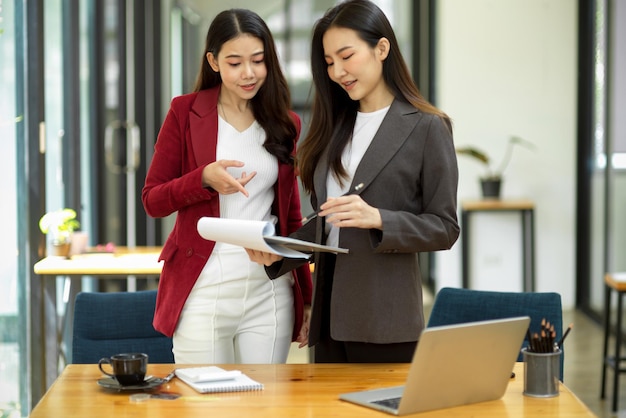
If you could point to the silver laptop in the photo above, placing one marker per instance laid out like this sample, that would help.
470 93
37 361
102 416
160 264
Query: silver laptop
453 365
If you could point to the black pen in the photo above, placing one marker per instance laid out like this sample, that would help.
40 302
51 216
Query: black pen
560 343
314 214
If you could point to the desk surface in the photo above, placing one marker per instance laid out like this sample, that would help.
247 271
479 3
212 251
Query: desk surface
616 280
123 262
291 390
497 204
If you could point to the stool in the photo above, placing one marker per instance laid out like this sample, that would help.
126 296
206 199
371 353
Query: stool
613 282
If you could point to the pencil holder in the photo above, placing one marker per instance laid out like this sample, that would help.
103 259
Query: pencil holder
541 373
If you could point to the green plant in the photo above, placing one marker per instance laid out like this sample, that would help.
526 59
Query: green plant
482 157
60 223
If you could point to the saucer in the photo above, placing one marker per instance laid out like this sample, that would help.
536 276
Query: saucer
112 384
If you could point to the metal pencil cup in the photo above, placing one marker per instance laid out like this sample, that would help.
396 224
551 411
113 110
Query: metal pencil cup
541 373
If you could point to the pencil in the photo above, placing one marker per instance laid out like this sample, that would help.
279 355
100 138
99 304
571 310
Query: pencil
314 214
560 343
544 342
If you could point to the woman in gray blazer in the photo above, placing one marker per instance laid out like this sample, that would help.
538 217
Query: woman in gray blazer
379 162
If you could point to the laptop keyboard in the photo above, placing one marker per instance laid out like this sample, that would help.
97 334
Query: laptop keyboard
392 403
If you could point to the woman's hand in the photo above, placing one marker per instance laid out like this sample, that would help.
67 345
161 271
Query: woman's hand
303 336
216 176
351 211
262 257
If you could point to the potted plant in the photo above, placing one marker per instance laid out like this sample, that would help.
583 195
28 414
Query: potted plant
59 226
491 181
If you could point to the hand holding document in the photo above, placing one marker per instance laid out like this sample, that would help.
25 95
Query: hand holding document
258 235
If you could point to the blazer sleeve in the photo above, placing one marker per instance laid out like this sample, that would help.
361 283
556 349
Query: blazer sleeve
435 227
174 181
290 208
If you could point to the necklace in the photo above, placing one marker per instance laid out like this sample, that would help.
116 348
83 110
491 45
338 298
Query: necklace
223 111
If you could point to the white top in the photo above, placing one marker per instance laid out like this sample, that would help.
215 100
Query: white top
247 146
365 128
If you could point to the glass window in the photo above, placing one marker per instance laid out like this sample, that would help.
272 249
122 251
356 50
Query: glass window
607 193
53 87
9 346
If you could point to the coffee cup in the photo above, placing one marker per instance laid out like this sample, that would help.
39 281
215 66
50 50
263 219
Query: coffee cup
127 368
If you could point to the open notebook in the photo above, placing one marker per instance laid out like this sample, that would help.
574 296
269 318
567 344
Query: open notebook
212 379
453 365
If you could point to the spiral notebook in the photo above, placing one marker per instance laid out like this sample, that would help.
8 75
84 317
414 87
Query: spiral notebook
212 379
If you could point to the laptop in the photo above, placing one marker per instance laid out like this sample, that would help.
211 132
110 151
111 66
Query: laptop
453 365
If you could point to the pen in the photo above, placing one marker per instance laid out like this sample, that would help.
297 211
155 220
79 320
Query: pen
560 343
314 214
169 376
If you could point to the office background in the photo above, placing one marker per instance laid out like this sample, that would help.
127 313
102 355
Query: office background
78 77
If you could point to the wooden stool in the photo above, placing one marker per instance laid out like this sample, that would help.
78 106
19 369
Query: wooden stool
613 282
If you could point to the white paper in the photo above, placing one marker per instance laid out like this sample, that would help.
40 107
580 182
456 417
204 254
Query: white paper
236 381
257 235
207 374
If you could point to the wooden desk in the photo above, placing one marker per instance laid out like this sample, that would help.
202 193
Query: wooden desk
124 262
527 214
291 390
141 261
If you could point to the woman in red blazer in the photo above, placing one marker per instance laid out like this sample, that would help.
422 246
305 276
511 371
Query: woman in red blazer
226 150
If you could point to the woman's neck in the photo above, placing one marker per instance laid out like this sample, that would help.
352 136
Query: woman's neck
376 100
233 104
237 112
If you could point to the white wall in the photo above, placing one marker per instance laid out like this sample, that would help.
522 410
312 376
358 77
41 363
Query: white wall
509 68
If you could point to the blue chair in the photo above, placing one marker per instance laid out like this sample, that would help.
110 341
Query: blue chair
117 322
454 306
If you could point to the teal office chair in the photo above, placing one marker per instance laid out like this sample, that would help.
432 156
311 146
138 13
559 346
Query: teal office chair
454 306
117 322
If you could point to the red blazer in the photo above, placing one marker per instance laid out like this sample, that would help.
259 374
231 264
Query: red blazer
186 144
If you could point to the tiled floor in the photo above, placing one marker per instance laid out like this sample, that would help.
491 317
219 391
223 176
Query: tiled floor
583 365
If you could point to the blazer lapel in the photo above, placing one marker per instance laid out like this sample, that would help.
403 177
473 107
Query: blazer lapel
203 126
319 179
394 130
319 184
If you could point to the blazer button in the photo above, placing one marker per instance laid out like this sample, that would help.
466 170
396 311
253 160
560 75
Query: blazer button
189 252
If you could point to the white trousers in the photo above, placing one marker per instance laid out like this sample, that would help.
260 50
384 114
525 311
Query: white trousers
235 313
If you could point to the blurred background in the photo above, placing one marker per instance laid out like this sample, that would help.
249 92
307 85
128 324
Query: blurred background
85 85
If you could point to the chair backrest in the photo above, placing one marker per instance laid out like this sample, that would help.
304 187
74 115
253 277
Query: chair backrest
453 306
117 322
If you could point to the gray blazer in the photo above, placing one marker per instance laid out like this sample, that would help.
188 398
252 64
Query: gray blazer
410 174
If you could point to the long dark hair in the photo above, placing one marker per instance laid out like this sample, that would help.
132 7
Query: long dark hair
333 111
271 104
